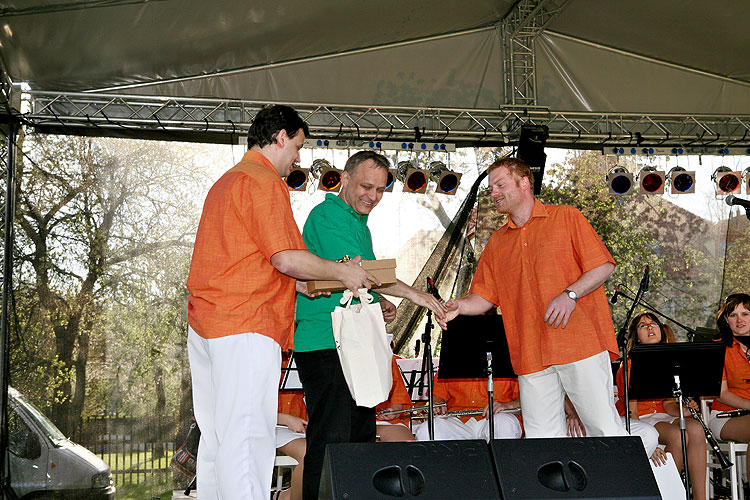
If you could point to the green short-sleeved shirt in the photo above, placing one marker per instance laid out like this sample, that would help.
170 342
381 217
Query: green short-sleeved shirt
333 229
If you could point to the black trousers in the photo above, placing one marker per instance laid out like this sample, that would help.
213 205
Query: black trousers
332 414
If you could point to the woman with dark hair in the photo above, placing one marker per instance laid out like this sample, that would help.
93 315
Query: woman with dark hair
662 414
733 320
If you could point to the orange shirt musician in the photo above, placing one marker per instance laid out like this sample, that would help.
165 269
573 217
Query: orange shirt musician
470 394
248 252
394 426
733 320
545 269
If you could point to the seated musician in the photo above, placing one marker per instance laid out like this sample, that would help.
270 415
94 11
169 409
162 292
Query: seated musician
465 395
290 434
646 328
394 426
733 320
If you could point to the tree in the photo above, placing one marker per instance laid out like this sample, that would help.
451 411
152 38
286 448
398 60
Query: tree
90 213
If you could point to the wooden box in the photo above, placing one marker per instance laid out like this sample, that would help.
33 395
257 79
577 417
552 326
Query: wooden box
384 270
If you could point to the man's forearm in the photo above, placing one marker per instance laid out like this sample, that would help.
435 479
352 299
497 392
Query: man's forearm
592 279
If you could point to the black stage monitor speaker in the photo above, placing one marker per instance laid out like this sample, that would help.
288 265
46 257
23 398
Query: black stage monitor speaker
592 468
531 150
429 470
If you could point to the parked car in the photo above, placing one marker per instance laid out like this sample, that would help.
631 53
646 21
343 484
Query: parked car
45 464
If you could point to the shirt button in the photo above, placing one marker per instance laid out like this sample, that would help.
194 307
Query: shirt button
525 244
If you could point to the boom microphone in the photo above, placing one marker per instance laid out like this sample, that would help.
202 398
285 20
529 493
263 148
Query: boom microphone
644 281
613 300
732 200
732 413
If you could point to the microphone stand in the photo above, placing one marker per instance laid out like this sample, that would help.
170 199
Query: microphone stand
428 368
691 332
622 342
490 397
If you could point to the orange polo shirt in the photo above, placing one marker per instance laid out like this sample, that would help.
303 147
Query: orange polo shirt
397 396
523 268
247 217
471 393
737 375
645 406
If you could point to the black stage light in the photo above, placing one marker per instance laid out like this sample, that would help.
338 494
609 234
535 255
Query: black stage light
447 180
297 179
330 177
414 179
391 180
681 181
620 181
727 181
651 181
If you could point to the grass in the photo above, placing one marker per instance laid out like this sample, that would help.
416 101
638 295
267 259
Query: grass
144 491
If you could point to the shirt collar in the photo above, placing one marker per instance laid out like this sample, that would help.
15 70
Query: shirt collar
342 204
539 210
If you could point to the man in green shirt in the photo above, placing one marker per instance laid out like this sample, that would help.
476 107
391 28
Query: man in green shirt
335 228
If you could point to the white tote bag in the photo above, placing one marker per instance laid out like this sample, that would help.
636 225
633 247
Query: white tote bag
364 352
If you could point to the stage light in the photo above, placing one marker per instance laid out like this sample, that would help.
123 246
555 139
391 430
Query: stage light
651 181
414 179
727 181
330 177
620 181
681 181
297 179
391 180
446 179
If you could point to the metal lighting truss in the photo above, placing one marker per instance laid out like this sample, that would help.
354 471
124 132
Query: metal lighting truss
521 26
190 118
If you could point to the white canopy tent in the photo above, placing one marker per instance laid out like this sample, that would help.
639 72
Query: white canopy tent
597 73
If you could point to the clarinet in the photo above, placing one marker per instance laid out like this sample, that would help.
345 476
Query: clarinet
723 460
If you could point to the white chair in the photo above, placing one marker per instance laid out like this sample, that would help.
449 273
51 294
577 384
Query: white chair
281 463
735 452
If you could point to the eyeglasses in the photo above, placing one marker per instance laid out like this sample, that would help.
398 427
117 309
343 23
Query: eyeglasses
648 325
742 297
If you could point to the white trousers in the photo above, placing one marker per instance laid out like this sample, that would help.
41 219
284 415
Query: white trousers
235 400
507 426
587 382
647 432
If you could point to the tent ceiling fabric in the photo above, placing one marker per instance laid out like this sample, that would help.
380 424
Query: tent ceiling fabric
683 57
130 42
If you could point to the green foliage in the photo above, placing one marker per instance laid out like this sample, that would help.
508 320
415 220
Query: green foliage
105 231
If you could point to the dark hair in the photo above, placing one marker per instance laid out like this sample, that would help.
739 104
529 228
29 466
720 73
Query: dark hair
515 166
354 160
730 304
667 335
272 119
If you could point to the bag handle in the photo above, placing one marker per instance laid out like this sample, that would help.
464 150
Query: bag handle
364 297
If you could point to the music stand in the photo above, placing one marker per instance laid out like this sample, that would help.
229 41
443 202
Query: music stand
675 370
476 347
290 376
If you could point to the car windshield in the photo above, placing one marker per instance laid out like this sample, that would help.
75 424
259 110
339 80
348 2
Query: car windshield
52 432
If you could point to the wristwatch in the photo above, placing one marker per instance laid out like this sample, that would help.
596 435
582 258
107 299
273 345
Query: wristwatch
571 294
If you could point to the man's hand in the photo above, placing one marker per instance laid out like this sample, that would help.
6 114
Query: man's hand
425 299
354 277
559 310
452 310
575 426
301 287
389 311
659 457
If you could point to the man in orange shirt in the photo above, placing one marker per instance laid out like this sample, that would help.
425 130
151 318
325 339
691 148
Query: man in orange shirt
248 252
545 269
